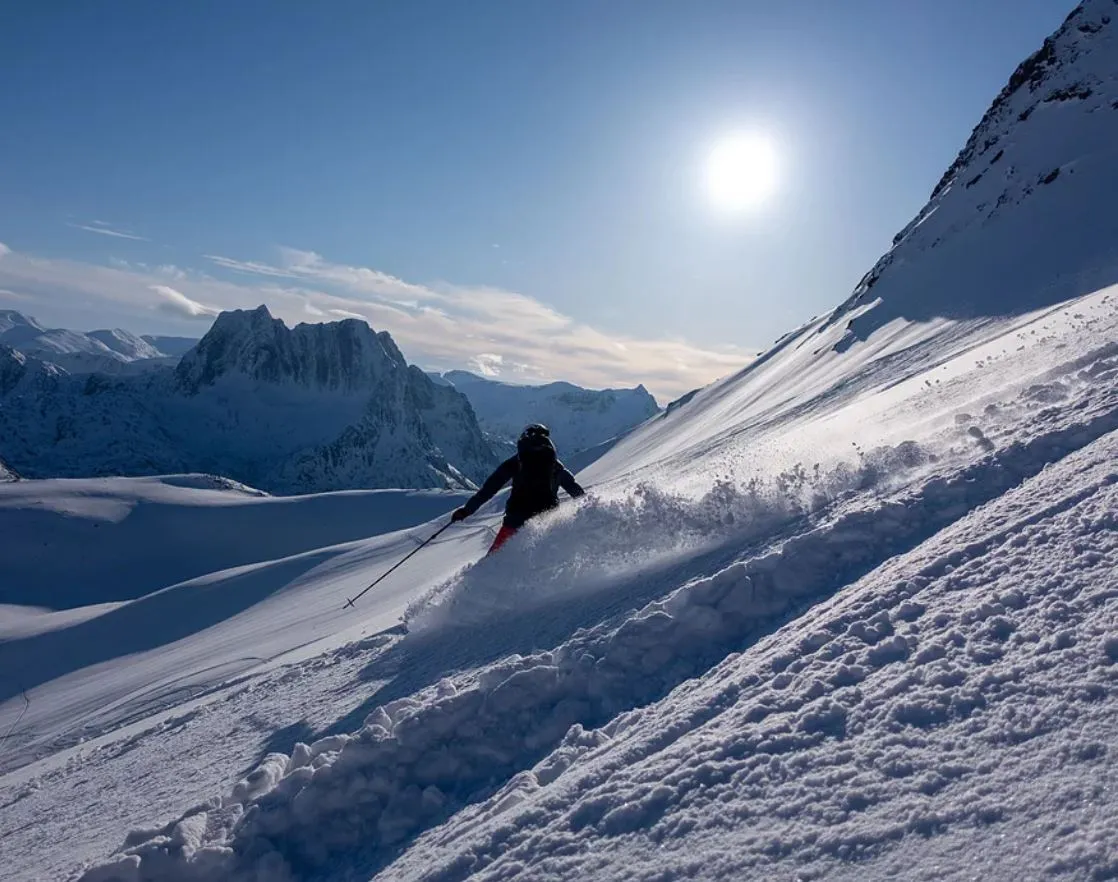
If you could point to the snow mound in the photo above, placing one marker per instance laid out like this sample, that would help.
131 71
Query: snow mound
209 482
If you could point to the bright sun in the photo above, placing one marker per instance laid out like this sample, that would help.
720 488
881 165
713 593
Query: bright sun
741 172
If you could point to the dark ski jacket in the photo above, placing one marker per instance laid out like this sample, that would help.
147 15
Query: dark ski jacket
536 478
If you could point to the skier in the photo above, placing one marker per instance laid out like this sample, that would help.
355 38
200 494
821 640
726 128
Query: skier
536 474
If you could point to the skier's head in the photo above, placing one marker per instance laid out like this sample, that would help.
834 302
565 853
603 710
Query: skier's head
535 440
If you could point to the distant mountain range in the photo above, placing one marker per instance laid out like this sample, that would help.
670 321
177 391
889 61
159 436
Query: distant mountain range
110 351
290 410
578 418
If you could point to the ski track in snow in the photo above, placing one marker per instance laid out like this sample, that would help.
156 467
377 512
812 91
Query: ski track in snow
964 692
343 806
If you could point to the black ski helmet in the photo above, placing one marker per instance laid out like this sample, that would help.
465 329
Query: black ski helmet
535 437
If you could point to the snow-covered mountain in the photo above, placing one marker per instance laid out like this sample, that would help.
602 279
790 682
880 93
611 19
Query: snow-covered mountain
126 344
317 407
114 351
17 328
578 418
26 375
847 615
1016 223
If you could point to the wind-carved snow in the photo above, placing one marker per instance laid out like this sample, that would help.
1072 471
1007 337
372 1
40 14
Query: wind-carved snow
314 408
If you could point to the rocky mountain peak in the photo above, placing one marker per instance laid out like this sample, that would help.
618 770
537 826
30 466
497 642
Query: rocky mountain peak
15 327
345 356
18 369
1023 206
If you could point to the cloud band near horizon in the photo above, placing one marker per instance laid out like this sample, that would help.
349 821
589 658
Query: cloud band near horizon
508 335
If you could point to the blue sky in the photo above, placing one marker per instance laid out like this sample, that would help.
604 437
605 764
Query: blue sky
510 184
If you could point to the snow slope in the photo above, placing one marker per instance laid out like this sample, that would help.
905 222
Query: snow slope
849 614
137 535
1020 219
578 418
120 594
977 258
959 696
533 670
314 408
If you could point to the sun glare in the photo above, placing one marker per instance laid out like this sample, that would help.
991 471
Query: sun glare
741 172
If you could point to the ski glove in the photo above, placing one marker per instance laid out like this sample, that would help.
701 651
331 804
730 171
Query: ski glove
460 514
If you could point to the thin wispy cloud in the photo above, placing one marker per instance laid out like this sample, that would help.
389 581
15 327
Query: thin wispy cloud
177 303
310 266
248 267
104 229
488 364
501 333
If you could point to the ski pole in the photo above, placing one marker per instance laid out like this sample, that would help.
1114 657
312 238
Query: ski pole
382 576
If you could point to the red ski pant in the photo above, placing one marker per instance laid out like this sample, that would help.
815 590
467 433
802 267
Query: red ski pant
503 535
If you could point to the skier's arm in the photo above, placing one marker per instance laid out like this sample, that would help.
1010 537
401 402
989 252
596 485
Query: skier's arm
505 472
567 482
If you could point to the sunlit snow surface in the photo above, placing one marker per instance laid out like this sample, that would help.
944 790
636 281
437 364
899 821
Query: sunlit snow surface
849 614
831 637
